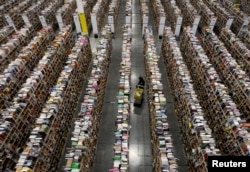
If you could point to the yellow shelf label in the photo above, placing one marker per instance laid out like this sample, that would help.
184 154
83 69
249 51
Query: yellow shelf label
83 22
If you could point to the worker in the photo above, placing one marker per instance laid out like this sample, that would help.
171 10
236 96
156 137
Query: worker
141 81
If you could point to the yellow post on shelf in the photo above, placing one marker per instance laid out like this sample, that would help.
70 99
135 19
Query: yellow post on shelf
83 22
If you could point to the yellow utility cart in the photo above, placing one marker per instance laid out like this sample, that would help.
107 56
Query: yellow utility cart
139 91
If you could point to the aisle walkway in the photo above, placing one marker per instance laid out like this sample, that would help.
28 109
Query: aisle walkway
140 150
104 154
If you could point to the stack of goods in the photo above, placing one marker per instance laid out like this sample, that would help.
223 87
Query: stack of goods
221 113
64 14
158 13
208 18
188 11
173 12
10 50
229 70
5 33
121 145
15 13
48 15
5 7
30 16
80 156
19 118
223 16
245 38
98 14
196 134
162 142
237 48
47 138
19 69
245 6
239 16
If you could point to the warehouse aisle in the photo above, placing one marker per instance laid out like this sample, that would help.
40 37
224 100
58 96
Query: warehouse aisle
104 153
140 151
172 119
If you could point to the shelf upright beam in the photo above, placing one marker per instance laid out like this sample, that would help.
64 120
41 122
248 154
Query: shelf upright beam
43 21
10 21
81 16
196 23
59 19
212 22
94 25
178 26
77 23
229 22
111 22
144 23
245 24
26 19
161 26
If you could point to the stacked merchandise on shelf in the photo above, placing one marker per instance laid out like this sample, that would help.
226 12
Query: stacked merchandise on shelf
188 11
208 18
19 118
158 12
245 37
5 34
5 6
173 12
223 16
239 16
15 13
113 12
98 14
19 69
80 156
245 6
64 14
48 137
121 145
162 142
30 16
196 134
221 113
230 72
237 49
10 50
48 15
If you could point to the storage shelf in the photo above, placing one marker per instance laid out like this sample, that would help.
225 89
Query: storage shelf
19 69
121 145
222 115
10 50
173 12
196 134
230 72
224 19
28 103
158 13
162 143
80 156
47 138
237 49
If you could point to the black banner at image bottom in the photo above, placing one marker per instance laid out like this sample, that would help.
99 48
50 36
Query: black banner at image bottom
218 163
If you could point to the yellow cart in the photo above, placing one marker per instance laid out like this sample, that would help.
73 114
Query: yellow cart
138 95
